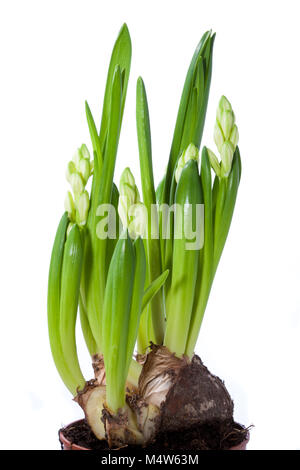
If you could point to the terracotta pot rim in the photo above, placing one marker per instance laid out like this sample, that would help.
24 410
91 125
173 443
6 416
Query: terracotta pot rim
67 445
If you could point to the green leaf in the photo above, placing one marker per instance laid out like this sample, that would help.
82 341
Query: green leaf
137 297
144 142
222 188
205 271
168 245
152 240
153 288
95 250
121 57
185 113
86 329
228 208
185 261
70 285
94 136
111 242
116 321
159 191
53 307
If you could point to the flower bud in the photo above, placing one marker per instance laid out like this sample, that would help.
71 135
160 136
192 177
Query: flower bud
85 152
77 184
226 137
223 105
70 170
128 187
234 136
70 206
129 195
226 157
138 220
214 162
190 153
218 137
82 208
226 123
126 178
76 158
84 169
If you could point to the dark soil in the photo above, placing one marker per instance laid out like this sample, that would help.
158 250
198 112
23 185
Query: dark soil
210 436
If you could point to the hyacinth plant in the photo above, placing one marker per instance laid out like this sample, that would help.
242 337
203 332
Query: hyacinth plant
139 279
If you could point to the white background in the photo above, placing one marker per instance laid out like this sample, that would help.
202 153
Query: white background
54 55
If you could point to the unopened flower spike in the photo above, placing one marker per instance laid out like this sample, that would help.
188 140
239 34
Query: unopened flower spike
79 170
82 154
190 153
127 180
226 137
129 195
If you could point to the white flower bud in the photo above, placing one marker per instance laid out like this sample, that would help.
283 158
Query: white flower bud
77 184
70 170
226 157
82 208
76 157
84 169
127 177
234 136
85 152
70 206
218 137
226 137
223 105
138 220
226 123
214 162
129 195
190 153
